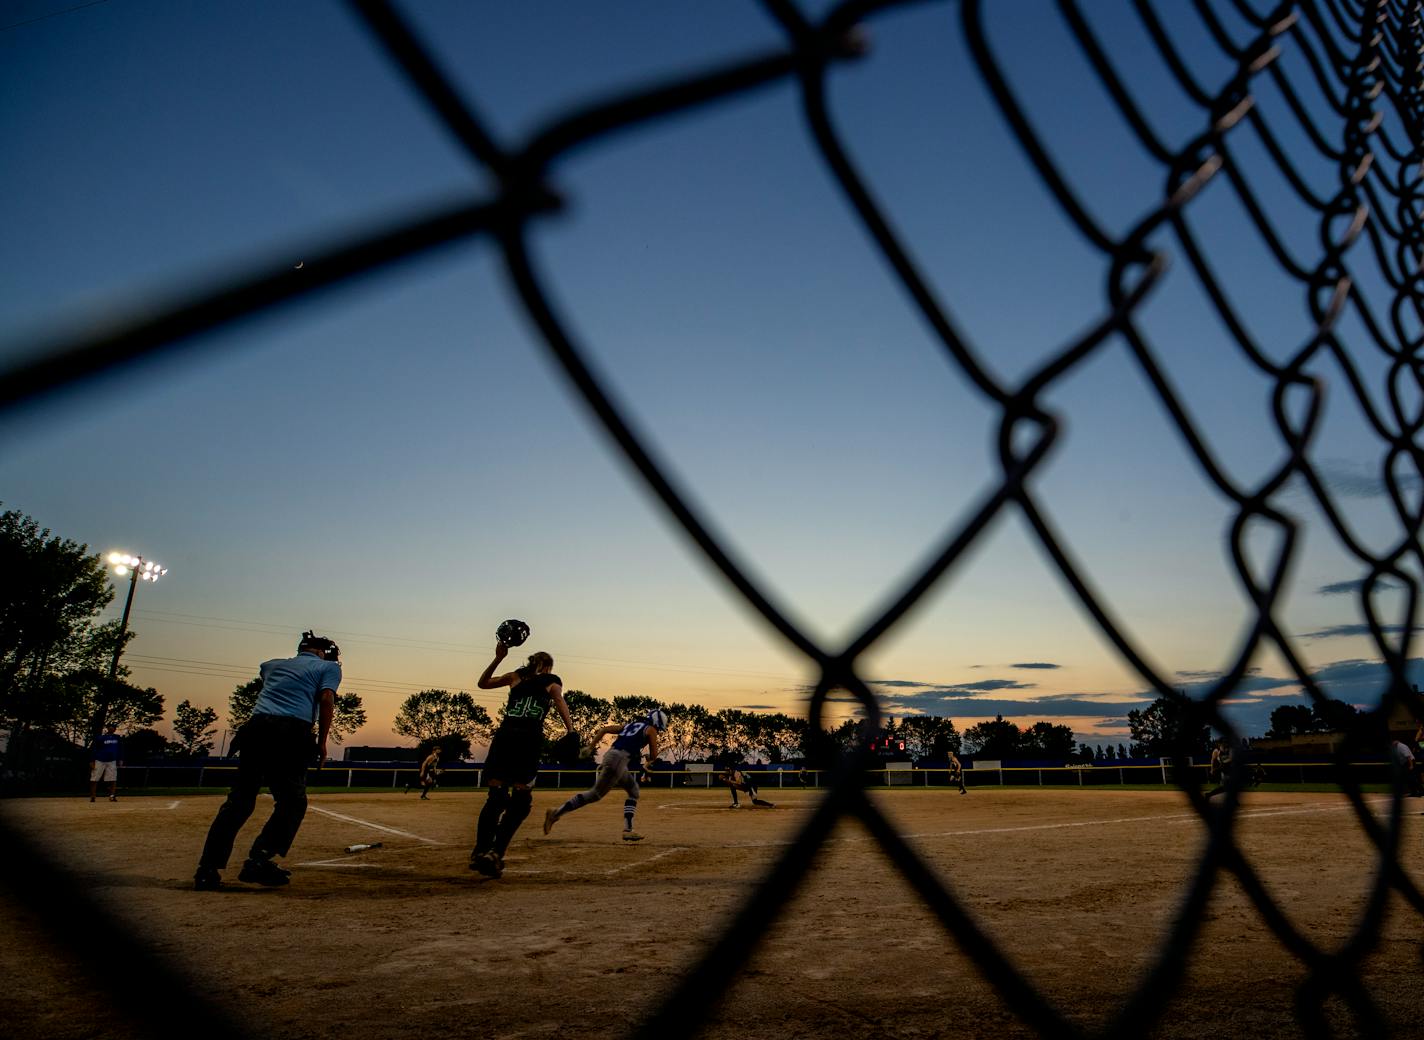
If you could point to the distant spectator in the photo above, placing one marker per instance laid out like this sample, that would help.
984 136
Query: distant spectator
108 756
1400 753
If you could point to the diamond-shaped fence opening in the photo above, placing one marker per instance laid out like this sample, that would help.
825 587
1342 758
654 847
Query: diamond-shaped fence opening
1350 103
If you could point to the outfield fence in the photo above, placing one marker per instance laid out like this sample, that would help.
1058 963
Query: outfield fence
1343 145
220 775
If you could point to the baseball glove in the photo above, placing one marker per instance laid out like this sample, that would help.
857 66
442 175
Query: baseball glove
566 749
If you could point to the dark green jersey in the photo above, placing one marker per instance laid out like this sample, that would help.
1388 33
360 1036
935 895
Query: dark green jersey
529 703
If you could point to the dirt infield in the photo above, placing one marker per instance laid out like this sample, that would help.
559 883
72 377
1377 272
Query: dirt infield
584 930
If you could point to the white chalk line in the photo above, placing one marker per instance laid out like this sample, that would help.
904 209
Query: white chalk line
1065 825
703 806
374 826
607 873
143 808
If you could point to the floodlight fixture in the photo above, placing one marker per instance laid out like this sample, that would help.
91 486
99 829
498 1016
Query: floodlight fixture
133 567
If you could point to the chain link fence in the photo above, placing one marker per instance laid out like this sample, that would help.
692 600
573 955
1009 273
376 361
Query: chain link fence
1362 119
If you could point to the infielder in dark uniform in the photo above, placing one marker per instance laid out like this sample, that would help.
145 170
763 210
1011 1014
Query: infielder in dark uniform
956 772
619 769
513 760
275 747
739 781
429 773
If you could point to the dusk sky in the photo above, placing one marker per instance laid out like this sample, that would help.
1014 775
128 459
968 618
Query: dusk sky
398 464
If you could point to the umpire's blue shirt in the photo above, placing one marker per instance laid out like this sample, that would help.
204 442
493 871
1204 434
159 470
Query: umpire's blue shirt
292 686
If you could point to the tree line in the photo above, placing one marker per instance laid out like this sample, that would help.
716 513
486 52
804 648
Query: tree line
55 685
698 734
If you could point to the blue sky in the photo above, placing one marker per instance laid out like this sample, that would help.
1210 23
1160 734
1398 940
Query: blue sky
397 462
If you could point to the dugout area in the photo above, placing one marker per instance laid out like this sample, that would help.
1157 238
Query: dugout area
584 930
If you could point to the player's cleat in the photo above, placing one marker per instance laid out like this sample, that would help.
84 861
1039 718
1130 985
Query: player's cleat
551 817
207 879
113 798
734 805
91 797
632 836
264 872
487 863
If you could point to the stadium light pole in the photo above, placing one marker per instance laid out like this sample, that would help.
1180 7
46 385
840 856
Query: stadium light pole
136 568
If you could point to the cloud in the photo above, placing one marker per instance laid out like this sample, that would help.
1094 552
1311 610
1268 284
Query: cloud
966 689
1337 631
989 685
1035 664
1341 588
949 705
1357 480
756 707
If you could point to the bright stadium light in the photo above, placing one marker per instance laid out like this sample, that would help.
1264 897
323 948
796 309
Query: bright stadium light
133 567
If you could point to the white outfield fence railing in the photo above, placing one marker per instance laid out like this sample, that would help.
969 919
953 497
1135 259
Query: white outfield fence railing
893 774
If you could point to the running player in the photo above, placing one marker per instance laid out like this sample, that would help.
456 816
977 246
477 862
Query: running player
739 781
956 772
618 769
429 770
513 760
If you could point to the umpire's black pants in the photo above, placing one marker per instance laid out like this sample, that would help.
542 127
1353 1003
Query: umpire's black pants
274 750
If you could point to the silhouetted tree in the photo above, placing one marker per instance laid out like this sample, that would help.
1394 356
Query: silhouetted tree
1047 740
997 739
431 714
1167 725
193 729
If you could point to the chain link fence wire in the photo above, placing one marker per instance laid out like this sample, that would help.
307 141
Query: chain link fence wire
1359 110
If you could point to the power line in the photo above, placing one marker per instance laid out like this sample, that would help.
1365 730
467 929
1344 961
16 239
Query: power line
404 643
53 14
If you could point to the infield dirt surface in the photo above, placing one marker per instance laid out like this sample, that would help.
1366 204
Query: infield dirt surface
585 933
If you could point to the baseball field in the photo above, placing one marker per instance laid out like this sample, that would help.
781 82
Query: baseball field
585 933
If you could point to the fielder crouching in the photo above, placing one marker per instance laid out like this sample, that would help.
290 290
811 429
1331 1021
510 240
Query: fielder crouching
276 748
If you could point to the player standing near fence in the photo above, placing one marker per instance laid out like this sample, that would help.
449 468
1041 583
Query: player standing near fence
108 756
956 772
618 769
429 771
275 747
513 760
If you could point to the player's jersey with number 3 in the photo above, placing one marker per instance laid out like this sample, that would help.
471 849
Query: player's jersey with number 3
633 738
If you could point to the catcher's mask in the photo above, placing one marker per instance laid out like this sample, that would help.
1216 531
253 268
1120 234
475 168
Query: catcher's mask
325 648
512 632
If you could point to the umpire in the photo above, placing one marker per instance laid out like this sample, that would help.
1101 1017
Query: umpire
275 747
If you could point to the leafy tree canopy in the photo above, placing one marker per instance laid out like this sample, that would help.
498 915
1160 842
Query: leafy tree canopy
431 714
193 729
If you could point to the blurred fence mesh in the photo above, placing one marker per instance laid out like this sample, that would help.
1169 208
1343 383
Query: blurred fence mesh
1355 101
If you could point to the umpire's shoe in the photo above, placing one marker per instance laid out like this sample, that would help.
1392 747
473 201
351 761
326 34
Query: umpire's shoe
264 872
207 879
